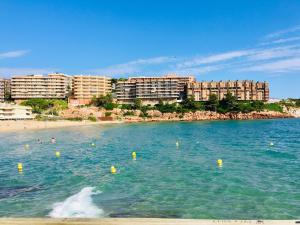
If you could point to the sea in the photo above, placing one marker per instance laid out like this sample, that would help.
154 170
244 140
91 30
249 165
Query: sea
175 173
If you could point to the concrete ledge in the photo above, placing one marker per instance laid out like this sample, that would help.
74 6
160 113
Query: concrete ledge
137 221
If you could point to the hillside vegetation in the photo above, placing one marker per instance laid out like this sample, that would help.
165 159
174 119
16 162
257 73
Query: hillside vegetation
229 104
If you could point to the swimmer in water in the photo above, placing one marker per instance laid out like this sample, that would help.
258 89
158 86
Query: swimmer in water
39 141
53 140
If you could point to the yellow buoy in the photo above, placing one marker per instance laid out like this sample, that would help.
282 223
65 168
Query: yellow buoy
20 167
177 143
27 146
57 154
220 162
93 144
113 169
133 155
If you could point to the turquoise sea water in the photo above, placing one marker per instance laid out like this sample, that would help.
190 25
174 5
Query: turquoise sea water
256 181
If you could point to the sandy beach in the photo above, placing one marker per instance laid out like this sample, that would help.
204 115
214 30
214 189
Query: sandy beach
23 125
137 221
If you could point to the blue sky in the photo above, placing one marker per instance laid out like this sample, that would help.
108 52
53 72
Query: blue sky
213 40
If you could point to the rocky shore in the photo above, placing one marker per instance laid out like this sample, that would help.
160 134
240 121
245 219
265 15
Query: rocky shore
206 115
155 115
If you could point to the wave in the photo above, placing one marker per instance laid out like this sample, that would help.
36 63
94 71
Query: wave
79 205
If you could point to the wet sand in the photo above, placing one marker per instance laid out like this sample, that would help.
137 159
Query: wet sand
136 221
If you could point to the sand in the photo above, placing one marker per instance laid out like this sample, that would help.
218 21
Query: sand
136 221
23 125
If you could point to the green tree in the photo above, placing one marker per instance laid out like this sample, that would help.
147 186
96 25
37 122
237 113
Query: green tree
257 106
137 103
212 103
104 101
51 106
228 104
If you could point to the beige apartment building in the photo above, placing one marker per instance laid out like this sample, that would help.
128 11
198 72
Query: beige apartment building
2 90
85 87
52 86
150 90
243 90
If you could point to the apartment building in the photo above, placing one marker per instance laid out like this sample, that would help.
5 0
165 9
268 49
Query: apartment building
15 112
243 90
150 90
85 87
52 86
2 90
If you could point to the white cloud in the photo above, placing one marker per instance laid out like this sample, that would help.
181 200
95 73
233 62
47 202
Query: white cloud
280 57
282 32
134 66
6 71
13 54
196 70
151 61
214 58
281 41
279 66
277 52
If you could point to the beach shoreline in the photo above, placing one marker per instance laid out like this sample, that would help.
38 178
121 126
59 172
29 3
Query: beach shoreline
136 221
28 125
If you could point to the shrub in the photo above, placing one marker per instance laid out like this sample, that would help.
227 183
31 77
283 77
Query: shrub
110 106
75 119
104 101
190 104
126 106
166 108
273 107
107 114
92 118
41 105
128 113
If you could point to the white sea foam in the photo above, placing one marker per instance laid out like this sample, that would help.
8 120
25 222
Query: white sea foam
79 205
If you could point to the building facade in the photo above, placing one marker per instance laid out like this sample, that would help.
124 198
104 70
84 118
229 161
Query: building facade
53 86
85 87
7 91
2 90
150 90
15 112
243 90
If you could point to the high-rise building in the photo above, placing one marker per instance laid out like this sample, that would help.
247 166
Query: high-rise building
85 87
2 90
243 90
150 90
53 86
